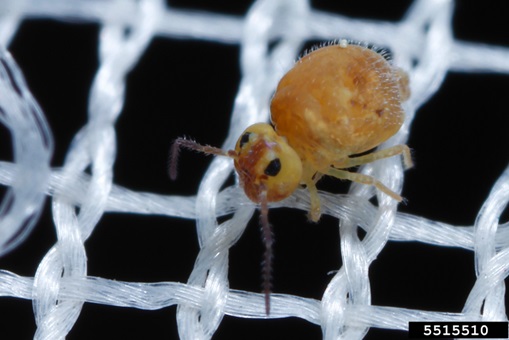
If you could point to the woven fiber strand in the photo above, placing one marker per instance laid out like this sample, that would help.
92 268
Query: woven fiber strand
113 82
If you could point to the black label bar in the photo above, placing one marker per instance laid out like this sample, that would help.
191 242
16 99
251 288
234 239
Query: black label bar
473 330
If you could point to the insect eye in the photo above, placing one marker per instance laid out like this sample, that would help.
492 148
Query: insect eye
273 168
244 139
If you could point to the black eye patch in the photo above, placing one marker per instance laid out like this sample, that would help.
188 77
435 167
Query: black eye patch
273 168
244 139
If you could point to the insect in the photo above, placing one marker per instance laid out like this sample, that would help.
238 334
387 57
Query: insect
335 103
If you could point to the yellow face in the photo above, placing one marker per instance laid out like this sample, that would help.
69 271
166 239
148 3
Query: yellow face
266 163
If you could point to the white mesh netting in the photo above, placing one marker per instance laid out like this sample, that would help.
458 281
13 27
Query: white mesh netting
164 71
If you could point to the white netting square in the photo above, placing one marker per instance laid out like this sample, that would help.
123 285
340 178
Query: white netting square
117 80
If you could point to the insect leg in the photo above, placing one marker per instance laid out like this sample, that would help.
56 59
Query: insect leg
364 179
315 211
380 154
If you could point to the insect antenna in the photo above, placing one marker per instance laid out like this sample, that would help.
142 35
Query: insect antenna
192 145
268 240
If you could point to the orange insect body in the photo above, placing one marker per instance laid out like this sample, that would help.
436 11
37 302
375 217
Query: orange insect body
336 102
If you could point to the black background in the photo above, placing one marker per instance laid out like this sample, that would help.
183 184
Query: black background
187 87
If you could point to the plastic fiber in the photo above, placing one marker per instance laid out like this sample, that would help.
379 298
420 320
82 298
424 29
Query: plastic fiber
180 257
